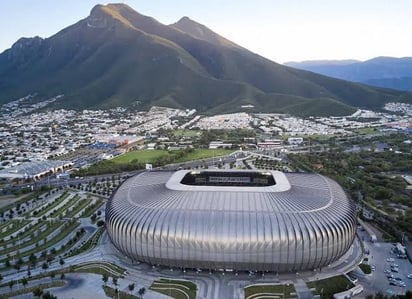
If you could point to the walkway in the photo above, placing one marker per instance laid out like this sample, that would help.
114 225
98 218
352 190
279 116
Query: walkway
302 290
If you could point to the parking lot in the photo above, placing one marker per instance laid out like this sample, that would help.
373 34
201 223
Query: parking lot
382 257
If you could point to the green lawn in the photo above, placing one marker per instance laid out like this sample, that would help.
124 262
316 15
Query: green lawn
281 290
145 156
47 208
80 205
199 154
178 289
367 131
90 243
148 156
12 227
20 200
327 287
187 133
73 201
366 268
112 293
19 290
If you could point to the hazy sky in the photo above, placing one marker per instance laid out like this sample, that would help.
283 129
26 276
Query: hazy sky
281 30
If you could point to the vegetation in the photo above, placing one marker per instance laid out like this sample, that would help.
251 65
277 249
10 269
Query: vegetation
116 294
366 268
90 243
195 73
63 209
29 197
161 157
12 226
35 290
271 291
45 209
186 133
138 159
66 229
103 268
39 237
178 289
371 177
230 136
81 204
327 287
89 210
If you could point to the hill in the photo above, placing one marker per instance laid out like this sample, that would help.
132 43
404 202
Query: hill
385 72
118 57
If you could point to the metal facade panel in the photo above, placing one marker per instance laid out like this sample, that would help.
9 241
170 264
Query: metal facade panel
308 226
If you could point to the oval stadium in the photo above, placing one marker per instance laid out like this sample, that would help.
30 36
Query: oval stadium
231 220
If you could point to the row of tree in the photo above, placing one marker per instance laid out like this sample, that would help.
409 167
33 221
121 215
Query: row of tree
115 282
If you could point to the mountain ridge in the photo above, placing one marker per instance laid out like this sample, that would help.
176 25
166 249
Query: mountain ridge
382 71
119 57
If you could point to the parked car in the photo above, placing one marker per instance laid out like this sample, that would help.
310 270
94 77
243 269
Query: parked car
390 259
395 269
397 283
409 275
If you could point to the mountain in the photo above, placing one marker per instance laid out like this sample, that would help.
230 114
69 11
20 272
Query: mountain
118 57
385 72
201 32
320 63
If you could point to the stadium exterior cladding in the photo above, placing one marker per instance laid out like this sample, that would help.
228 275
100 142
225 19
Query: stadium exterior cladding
305 221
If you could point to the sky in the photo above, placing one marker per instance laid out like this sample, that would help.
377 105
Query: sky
281 30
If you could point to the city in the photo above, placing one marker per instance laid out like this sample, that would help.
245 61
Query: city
66 214
145 155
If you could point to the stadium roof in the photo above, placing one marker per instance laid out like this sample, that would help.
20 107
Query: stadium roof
31 169
232 219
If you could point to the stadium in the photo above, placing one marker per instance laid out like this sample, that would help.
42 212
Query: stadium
231 220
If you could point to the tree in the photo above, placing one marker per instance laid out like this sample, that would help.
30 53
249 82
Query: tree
61 262
141 292
38 292
49 295
52 275
105 278
17 266
33 259
114 280
24 282
131 287
93 217
44 266
20 261
1 277
11 284
62 276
